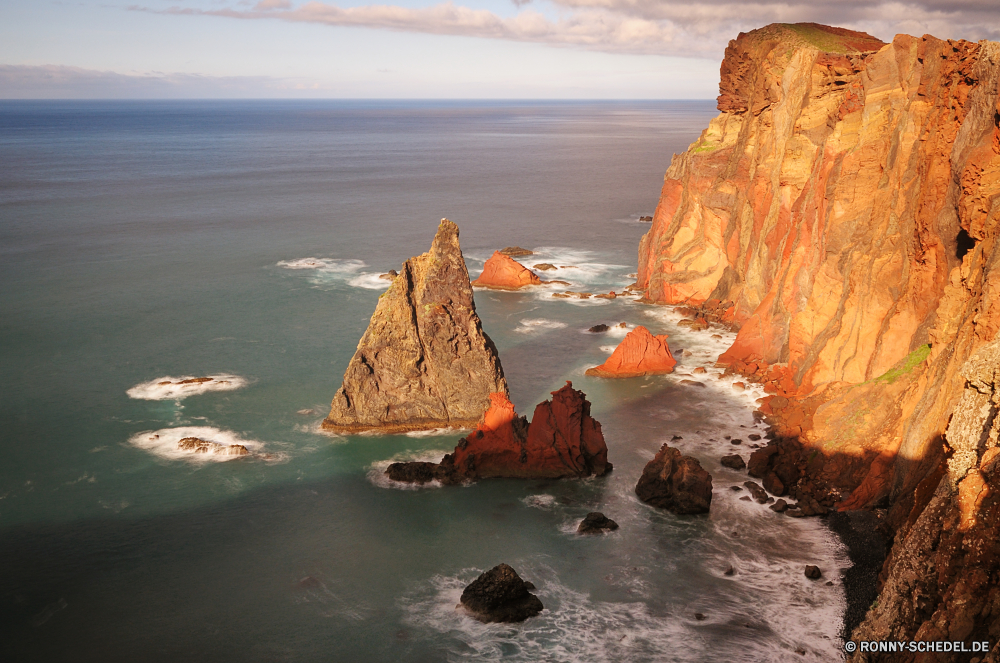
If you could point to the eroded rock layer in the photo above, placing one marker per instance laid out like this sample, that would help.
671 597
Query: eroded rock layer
639 353
842 213
425 361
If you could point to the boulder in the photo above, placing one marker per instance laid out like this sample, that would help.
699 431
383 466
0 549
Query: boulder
501 272
733 461
599 329
813 572
639 353
544 266
199 446
499 595
425 361
563 440
759 494
675 482
596 523
390 275
515 251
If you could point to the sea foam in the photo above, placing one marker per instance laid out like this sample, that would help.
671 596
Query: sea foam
164 443
169 388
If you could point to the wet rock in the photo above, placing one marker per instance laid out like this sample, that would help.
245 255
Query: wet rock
733 461
794 513
675 482
499 595
745 499
754 436
813 572
390 275
640 353
757 466
699 616
735 440
193 381
739 386
610 295
779 506
735 488
502 272
759 494
516 251
622 325
730 571
596 523
561 295
424 361
646 219
544 266
199 446
599 329
700 370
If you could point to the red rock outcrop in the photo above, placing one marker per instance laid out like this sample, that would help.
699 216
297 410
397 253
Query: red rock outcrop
563 440
501 272
639 353
842 212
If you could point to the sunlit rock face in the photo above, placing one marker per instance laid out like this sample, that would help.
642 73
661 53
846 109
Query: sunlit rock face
841 213
501 272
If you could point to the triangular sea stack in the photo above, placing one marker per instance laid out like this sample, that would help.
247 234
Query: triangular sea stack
425 361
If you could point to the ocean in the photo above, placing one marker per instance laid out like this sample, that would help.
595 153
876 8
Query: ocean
145 242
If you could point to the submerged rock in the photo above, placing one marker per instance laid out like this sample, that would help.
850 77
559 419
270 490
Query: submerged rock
502 272
733 461
199 446
563 440
813 572
599 329
639 353
499 595
675 482
596 523
516 251
425 361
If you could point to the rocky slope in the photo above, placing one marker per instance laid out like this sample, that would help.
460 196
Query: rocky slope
841 212
425 361
562 440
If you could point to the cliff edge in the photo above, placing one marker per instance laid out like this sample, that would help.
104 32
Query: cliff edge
842 213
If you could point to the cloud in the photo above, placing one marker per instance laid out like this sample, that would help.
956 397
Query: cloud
62 82
698 28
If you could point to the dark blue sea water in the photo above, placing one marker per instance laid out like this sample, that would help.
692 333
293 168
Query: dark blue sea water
150 241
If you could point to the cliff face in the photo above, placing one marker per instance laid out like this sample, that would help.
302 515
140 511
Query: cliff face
424 361
841 212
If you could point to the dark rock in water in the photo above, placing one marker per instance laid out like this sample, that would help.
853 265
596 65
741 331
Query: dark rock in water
794 512
675 482
515 251
780 506
699 616
596 523
499 595
758 465
390 275
544 266
736 488
734 461
598 329
693 383
745 498
424 361
772 484
736 440
753 436
419 472
646 219
199 446
813 572
730 571
758 493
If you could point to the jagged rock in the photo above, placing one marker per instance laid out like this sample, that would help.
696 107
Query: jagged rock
390 275
639 353
813 572
563 440
610 295
779 506
596 523
425 361
516 251
544 266
499 595
646 219
599 329
759 494
199 446
675 482
502 272
733 461
730 571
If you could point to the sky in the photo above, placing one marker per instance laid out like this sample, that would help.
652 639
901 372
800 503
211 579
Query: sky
430 49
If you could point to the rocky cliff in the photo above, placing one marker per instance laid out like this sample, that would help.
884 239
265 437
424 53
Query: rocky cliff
424 361
841 212
639 353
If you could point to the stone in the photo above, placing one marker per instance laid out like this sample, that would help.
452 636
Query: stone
516 251
699 616
640 353
562 440
500 595
779 506
199 446
599 329
733 461
390 275
501 272
730 571
754 436
425 361
699 370
646 219
596 523
735 440
739 386
759 494
813 572
675 482
544 266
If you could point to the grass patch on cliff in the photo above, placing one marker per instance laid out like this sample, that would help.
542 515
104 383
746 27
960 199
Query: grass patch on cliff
905 365
825 41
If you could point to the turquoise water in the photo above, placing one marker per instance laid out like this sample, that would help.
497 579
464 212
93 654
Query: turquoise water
142 241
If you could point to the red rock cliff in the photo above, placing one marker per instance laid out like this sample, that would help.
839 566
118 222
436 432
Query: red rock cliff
639 353
841 211
502 272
